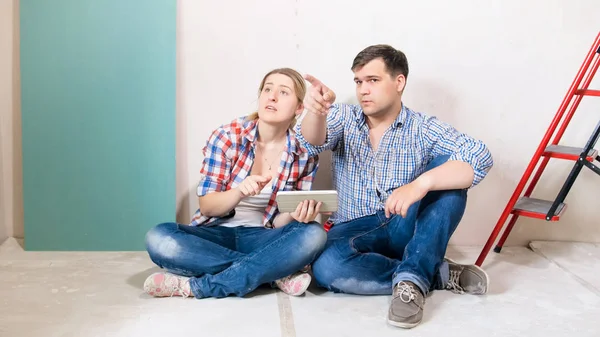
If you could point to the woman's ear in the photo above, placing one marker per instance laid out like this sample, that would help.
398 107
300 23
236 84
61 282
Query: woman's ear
300 109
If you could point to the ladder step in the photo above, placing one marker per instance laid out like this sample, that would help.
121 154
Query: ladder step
587 92
568 152
537 208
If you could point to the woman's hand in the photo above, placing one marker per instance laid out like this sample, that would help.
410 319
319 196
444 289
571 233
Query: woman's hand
252 185
306 211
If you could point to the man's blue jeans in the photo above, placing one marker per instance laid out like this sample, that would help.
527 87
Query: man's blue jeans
221 261
371 254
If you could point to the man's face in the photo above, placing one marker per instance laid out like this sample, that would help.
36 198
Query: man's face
376 89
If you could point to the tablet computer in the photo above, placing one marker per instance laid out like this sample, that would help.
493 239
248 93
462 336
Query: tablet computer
287 201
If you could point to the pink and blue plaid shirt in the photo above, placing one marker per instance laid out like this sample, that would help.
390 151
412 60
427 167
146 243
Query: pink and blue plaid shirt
228 159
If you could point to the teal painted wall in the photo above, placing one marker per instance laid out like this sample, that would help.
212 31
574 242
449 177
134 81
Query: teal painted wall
98 116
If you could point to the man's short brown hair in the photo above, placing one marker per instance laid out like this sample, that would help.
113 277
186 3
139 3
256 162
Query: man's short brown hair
395 61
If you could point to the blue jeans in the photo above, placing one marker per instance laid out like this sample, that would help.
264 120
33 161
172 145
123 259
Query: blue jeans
221 261
371 254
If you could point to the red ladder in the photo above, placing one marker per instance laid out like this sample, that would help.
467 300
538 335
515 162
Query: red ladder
582 156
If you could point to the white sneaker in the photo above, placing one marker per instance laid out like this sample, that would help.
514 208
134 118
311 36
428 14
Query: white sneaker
295 284
163 284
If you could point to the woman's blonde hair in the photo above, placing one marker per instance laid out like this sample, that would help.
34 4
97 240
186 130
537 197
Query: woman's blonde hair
299 88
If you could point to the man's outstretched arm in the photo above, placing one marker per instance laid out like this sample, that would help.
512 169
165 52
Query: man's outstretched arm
314 128
317 101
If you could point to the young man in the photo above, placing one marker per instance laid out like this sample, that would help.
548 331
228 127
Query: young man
402 178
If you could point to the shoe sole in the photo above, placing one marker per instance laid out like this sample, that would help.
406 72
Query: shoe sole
402 325
487 278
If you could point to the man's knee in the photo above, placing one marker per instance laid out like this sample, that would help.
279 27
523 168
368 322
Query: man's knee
333 272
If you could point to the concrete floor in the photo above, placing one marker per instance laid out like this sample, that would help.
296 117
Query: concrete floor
546 292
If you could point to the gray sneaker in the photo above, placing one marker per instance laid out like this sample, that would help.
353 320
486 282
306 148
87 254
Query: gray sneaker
406 310
467 278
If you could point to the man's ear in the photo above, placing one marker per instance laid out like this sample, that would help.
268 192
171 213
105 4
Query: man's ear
400 82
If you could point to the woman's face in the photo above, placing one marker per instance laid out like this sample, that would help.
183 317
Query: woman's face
277 103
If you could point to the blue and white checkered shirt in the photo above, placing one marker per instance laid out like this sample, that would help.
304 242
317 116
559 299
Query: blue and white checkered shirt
364 179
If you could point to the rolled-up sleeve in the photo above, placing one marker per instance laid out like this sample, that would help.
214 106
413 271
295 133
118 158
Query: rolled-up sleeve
443 139
335 131
216 167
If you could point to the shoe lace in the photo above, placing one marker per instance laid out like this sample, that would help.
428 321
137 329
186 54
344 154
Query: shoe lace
406 292
454 282
176 287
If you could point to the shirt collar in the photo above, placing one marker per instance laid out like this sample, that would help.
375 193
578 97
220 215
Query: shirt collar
399 121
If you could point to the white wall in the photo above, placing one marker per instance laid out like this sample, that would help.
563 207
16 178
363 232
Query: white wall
496 70
506 65
11 223
3 226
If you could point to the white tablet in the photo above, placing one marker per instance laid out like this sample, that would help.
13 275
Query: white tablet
287 201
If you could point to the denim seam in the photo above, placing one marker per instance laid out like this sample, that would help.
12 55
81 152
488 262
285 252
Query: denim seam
361 235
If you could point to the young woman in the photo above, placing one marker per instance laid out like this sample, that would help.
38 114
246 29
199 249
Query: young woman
238 239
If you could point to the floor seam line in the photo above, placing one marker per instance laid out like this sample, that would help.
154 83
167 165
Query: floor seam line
583 282
286 315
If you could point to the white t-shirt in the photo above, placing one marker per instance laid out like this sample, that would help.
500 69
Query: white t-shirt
249 212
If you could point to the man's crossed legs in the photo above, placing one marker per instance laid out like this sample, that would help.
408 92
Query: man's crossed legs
375 255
